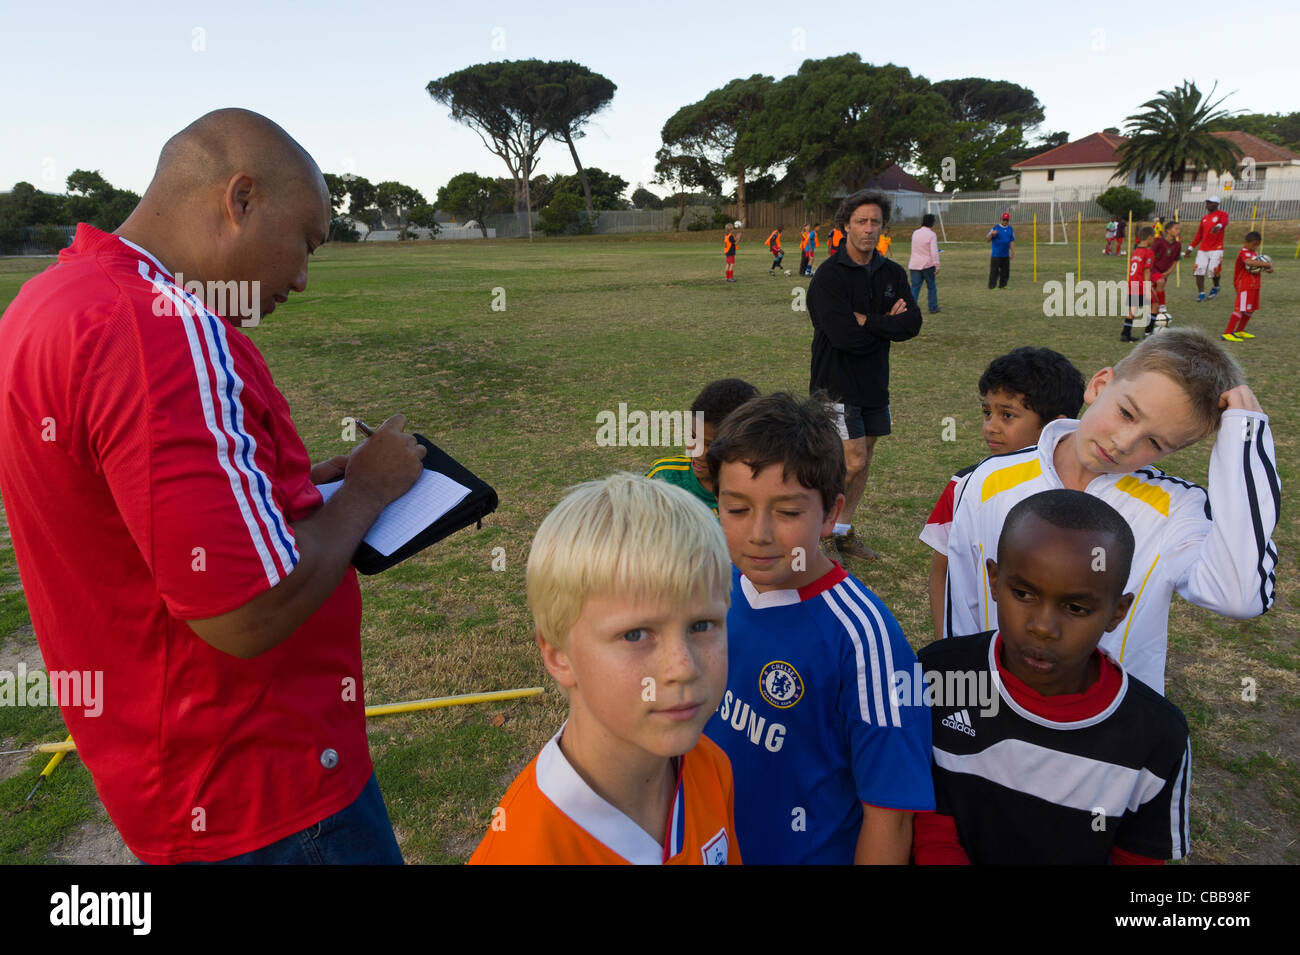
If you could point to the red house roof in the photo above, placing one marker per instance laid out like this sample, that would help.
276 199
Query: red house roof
1099 149
895 177
1261 150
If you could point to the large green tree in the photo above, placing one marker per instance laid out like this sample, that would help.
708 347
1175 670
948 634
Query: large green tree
511 108
474 197
988 132
603 190
838 122
569 95
1173 132
723 132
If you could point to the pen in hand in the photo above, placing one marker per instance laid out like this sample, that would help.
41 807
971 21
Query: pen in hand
365 428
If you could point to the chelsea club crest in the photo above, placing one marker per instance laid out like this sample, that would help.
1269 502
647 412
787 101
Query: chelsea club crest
780 684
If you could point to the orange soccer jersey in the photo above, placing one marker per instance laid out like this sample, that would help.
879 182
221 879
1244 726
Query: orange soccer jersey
550 816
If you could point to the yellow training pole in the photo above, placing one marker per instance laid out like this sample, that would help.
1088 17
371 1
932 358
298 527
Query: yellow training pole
1178 266
382 709
1078 241
1263 224
1253 209
68 746
388 709
1036 247
49 769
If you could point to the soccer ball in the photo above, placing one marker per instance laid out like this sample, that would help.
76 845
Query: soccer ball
738 223
1160 321
1263 260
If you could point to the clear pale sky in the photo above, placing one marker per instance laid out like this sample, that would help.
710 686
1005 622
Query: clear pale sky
102 86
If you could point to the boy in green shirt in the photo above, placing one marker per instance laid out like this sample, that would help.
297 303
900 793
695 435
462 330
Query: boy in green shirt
717 400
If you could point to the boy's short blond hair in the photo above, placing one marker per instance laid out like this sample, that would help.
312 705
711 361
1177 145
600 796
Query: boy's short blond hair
1195 361
625 534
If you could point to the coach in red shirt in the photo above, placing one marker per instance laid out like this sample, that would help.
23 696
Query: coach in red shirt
167 525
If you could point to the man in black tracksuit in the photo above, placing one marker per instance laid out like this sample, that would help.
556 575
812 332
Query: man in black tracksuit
859 301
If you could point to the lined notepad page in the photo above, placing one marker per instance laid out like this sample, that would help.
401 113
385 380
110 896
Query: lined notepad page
432 496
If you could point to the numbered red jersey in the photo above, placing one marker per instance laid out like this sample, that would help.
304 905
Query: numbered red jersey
1138 263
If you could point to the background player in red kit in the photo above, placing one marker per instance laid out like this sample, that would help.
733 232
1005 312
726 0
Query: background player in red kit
1139 284
729 244
1165 251
1245 283
169 531
1208 245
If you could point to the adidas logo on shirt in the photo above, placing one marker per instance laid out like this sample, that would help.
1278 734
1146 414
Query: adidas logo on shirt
959 721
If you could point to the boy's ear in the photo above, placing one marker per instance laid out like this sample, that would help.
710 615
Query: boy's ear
833 516
1098 384
556 662
991 566
1121 611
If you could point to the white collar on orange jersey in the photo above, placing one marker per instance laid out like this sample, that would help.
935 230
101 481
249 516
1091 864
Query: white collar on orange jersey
561 784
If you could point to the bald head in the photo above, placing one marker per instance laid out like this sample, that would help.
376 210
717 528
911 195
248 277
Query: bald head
224 143
234 199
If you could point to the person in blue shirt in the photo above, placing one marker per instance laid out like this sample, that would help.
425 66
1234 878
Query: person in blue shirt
829 763
1003 238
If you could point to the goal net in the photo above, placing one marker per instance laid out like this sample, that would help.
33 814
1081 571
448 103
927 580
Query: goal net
988 211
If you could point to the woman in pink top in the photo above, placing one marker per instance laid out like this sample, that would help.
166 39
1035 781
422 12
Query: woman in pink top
924 263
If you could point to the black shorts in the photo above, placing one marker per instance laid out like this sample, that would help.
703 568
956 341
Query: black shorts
854 422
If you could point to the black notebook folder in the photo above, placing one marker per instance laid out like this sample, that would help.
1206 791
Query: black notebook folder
480 502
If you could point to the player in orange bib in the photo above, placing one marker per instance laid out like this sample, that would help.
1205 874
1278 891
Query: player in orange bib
729 244
774 243
833 243
628 586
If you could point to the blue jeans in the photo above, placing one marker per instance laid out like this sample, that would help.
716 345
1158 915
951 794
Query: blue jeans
931 292
359 834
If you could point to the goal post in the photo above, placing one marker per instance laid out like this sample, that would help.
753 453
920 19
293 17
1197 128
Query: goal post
986 210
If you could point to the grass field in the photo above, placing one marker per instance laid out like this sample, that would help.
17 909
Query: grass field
646 320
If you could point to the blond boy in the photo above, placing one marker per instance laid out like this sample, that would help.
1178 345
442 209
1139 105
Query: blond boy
1212 546
628 584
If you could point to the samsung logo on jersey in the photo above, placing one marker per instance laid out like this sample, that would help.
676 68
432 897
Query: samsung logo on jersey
744 719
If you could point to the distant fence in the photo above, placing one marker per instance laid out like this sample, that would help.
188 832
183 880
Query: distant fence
608 222
1277 199
905 207
40 240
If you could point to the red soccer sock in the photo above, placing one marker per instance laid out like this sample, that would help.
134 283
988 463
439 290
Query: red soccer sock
1160 297
729 271
1232 323
1245 317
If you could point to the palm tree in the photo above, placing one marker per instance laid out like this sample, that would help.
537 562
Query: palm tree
1173 133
